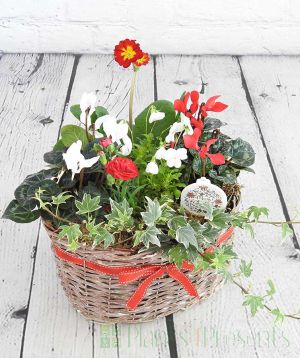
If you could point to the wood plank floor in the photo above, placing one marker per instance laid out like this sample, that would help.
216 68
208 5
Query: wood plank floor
263 92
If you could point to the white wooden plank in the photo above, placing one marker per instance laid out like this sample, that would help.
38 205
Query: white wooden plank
275 91
32 89
94 73
220 327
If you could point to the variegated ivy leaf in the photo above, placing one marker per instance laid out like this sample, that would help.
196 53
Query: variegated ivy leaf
246 268
153 212
271 288
61 198
72 233
147 236
120 217
99 234
88 204
177 222
186 236
286 231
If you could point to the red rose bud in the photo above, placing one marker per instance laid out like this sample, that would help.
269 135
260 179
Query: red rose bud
122 168
105 142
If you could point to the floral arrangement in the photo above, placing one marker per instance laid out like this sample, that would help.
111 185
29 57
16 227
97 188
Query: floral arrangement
119 182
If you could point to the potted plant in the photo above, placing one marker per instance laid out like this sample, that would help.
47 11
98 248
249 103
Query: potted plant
141 211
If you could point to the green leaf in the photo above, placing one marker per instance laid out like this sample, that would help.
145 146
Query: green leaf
246 268
177 222
19 214
207 209
255 212
212 123
59 145
61 198
201 264
54 157
271 290
120 217
279 316
149 235
286 231
88 204
99 234
72 233
254 302
177 254
241 152
222 256
71 133
153 212
99 112
158 128
186 236
75 110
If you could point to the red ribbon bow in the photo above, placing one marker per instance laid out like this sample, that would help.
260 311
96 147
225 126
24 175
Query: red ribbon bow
128 274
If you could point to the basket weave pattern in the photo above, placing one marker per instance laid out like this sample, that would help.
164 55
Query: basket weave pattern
102 297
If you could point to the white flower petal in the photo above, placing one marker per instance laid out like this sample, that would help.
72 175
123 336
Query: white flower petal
152 168
160 154
156 116
127 147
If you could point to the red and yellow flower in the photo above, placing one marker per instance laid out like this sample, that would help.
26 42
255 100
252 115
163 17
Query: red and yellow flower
144 60
127 52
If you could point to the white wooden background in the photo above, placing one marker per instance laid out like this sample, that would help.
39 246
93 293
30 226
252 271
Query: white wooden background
263 92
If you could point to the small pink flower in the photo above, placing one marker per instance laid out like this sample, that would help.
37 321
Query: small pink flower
105 142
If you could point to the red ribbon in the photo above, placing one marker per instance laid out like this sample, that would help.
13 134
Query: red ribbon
128 274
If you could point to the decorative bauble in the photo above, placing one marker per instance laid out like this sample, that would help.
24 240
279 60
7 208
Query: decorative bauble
202 192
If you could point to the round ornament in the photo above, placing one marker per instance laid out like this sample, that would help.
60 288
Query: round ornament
194 195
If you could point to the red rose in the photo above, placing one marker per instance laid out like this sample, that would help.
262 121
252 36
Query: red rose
122 168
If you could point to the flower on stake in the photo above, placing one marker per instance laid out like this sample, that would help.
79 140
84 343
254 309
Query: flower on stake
128 52
75 161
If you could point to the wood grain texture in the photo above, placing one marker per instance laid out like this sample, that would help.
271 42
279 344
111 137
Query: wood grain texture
225 329
275 90
32 95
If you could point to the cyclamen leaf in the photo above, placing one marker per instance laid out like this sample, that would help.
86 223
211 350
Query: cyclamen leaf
186 236
19 214
153 212
254 302
88 204
149 235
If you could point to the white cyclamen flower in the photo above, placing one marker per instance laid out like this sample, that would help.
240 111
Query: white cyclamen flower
175 156
156 116
112 128
87 102
75 161
160 154
127 147
177 127
152 168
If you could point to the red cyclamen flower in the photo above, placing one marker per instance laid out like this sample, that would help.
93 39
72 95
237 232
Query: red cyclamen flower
144 60
212 106
127 52
181 106
217 159
122 168
191 140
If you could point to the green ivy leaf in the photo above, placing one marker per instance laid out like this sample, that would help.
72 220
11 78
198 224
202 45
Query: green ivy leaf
186 236
201 264
72 233
158 128
279 316
286 231
254 302
271 288
99 234
177 254
71 133
222 256
88 204
153 212
61 198
19 214
246 268
255 212
147 236
120 217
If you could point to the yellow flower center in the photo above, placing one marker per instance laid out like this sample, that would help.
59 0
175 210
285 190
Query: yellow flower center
128 53
141 60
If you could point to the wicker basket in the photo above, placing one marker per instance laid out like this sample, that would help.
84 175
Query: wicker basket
102 298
